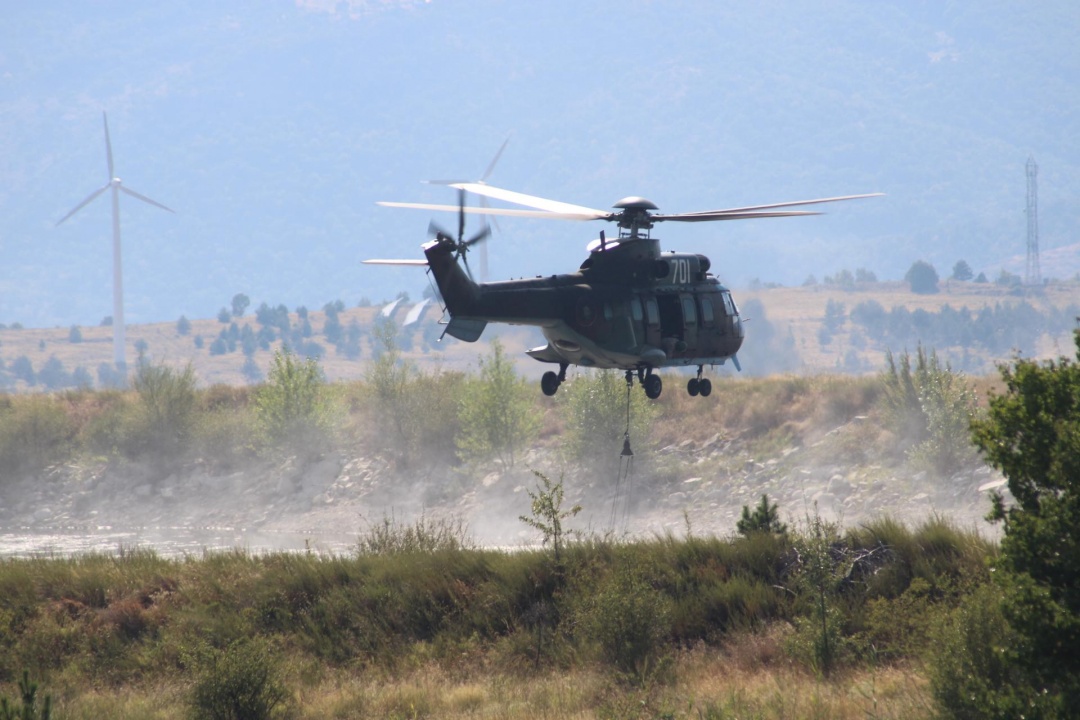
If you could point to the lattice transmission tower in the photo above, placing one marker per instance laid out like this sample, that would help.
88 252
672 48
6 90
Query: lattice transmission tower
1032 276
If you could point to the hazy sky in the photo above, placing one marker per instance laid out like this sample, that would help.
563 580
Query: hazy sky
272 127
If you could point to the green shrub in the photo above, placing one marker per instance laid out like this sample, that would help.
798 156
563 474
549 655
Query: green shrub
238 683
166 410
970 673
35 430
425 535
627 620
930 409
593 407
292 413
28 710
498 415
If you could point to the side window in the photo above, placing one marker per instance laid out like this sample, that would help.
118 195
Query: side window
689 311
607 312
635 310
706 310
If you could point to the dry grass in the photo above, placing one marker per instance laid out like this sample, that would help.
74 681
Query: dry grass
748 678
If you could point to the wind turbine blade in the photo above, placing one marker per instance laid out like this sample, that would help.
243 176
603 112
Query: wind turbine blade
494 160
590 215
134 194
85 202
527 200
108 146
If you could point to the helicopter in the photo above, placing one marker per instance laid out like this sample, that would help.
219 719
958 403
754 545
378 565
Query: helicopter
629 306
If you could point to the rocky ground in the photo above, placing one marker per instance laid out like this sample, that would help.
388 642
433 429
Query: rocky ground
326 504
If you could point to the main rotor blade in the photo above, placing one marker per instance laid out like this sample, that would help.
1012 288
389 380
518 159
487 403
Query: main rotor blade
590 215
394 262
792 203
134 194
85 202
729 215
108 145
530 200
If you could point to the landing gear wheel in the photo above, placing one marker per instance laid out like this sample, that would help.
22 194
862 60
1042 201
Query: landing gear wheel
549 383
704 387
653 386
693 387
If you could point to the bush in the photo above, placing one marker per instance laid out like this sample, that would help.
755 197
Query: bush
239 683
593 407
930 409
165 411
35 430
627 620
498 417
291 412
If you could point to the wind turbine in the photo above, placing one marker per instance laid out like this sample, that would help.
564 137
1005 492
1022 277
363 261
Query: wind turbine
483 203
117 187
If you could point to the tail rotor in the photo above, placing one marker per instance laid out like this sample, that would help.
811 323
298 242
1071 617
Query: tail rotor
460 243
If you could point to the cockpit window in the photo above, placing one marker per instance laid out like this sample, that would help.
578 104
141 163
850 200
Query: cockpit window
729 305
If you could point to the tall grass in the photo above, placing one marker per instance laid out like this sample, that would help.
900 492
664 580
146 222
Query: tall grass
420 596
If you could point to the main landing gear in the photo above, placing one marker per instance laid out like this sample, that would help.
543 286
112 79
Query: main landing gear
550 382
699 385
651 384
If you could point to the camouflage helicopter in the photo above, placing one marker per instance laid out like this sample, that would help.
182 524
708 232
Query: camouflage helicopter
629 306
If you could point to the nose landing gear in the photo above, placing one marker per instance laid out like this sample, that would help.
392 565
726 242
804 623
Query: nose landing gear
550 382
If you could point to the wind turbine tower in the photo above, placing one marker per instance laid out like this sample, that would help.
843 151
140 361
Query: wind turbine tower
117 187
1032 275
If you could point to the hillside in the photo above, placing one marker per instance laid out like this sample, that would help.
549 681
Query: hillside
783 335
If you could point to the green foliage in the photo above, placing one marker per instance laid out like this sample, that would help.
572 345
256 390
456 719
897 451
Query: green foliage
498 416
930 409
75 334
35 430
922 277
547 513
425 535
28 709
971 675
239 683
183 325
822 564
628 621
593 407
292 413
165 412
1032 434
765 518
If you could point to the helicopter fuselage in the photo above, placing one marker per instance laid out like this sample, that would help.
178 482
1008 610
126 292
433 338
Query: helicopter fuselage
628 307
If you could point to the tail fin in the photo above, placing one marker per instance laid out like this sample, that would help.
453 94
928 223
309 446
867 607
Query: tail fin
458 290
